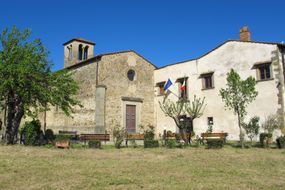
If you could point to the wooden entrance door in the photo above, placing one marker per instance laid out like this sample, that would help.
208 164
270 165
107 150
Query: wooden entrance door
131 119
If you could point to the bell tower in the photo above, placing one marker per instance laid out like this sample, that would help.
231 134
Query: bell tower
77 50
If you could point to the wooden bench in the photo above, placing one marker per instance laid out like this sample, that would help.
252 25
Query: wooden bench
134 136
206 136
93 137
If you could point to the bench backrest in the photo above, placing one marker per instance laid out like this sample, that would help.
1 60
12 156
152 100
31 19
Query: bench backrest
101 137
67 132
135 136
220 135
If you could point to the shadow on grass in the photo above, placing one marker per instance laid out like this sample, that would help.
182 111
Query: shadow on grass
248 145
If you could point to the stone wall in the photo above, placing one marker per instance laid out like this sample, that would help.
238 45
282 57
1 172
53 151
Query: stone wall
83 119
113 70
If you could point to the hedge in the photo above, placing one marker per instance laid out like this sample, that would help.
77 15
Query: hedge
151 143
281 142
215 143
94 144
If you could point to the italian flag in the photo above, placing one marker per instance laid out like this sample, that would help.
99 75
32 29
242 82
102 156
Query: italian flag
183 86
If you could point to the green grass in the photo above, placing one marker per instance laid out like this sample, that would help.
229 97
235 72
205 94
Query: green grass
128 168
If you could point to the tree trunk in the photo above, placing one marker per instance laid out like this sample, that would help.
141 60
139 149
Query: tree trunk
183 136
14 117
241 135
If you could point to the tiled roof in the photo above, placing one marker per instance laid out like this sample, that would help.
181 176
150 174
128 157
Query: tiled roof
80 40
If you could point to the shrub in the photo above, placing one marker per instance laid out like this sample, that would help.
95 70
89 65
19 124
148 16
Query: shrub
94 144
170 143
215 143
151 143
271 123
133 143
178 136
119 135
30 133
63 137
210 129
281 142
263 137
169 134
252 127
49 135
149 133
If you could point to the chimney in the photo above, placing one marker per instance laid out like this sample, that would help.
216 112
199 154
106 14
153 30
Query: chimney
244 34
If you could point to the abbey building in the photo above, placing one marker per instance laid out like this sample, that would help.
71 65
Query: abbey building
124 88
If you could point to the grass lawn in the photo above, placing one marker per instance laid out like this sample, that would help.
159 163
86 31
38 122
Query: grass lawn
128 168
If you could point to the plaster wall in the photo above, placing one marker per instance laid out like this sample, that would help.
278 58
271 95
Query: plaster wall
240 56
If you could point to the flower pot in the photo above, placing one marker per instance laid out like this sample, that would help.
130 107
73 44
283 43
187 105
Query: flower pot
62 144
269 141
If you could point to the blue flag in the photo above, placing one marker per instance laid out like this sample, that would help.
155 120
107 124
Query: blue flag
167 84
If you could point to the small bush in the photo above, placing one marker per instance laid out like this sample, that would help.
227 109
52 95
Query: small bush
31 132
170 134
151 143
170 143
263 137
63 137
252 128
119 135
281 142
271 123
49 135
149 133
133 143
94 144
215 143
178 136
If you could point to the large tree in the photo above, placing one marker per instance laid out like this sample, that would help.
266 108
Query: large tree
175 110
27 84
237 95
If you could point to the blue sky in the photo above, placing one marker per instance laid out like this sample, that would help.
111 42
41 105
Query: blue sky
163 31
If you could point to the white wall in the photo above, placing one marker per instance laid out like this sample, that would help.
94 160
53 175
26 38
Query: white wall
240 56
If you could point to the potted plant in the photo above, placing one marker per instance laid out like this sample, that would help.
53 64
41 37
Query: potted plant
271 123
62 141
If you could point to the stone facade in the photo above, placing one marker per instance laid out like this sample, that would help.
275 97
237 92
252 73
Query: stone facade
105 90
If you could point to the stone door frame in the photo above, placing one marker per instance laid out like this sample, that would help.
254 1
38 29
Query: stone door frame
135 102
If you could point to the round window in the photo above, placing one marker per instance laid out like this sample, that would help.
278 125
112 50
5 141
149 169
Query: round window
131 75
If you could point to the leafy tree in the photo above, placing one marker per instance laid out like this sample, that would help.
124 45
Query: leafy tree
238 94
252 128
272 122
27 85
176 110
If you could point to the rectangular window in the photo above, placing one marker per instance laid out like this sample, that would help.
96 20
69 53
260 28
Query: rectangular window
210 121
207 80
263 71
182 87
161 88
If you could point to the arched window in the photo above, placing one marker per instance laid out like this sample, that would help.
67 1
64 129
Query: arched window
69 53
131 74
80 52
85 55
